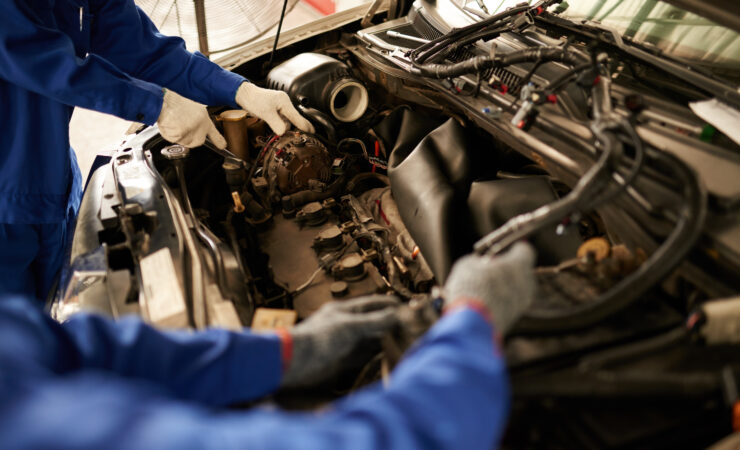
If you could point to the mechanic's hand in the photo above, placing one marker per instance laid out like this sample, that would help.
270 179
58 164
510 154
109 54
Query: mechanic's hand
274 107
504 284
185 122
331 333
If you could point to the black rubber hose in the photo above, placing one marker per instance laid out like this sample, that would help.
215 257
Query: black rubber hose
481 63
292 201
579 198
321 119
620 385
420 54
556 83
637 165
661 263
634 350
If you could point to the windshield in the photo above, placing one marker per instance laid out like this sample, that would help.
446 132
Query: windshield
673 30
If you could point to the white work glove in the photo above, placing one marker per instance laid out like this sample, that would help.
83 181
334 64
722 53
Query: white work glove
274 107
185 122
504 284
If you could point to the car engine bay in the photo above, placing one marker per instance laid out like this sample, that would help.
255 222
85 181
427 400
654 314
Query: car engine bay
434 141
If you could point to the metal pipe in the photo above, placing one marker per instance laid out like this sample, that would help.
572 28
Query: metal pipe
200 22
408 37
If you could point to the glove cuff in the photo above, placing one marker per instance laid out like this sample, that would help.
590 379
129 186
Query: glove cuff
244 93
479 307
471 303
286 347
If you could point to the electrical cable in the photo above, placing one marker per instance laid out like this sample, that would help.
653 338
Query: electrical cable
308 282
277 34
481 63
253 169
590 184
557 83
660 263
637 165
424 52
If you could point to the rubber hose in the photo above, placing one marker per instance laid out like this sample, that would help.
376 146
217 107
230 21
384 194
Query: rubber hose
321 119
661 263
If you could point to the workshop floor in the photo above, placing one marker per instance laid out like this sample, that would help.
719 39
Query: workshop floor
93 132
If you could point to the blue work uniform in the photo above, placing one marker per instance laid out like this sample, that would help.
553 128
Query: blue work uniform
92 383
104 55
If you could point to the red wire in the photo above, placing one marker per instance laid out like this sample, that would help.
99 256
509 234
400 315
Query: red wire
377 153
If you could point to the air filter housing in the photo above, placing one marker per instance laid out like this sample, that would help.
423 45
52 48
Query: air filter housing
321 82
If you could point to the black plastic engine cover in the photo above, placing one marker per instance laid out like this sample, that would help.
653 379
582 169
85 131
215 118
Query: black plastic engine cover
494 202
432 172
430 184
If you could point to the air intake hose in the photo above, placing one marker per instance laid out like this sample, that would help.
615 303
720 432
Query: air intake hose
321 82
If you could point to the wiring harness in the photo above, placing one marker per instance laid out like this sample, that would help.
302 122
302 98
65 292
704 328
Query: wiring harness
600 184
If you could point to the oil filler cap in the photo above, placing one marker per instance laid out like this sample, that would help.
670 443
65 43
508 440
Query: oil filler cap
174 152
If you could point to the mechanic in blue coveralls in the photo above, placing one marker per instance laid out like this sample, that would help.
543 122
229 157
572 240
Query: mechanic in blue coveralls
104 55
91 383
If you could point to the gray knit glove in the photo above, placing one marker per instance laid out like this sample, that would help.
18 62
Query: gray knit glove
331 333
504 284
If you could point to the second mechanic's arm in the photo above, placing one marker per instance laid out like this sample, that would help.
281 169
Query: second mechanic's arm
450 393
212 367
215 366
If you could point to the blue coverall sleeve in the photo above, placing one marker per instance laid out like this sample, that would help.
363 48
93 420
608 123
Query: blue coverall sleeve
41 59
451 392
123 34
213 367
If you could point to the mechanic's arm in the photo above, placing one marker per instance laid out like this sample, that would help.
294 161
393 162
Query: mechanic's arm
123 34
42 60
214 366
450 393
